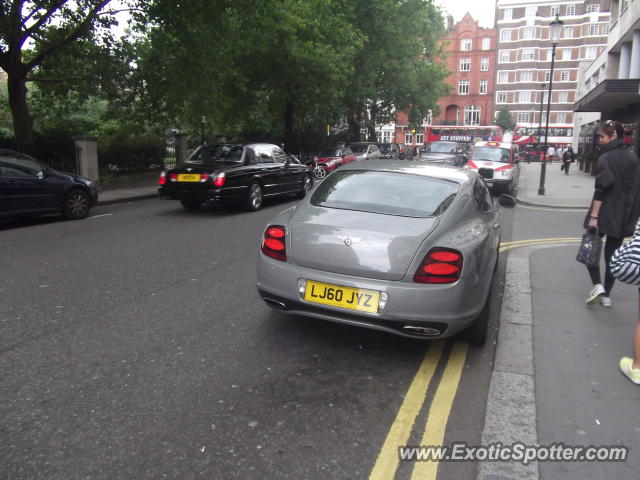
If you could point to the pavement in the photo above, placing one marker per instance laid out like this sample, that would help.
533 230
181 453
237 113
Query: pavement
125 189
561 191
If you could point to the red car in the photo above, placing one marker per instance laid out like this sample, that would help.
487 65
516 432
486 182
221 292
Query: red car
331 159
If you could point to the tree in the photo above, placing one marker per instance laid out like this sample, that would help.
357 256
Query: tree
505 120
32 33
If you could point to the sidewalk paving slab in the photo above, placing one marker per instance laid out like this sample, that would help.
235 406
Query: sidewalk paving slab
561 191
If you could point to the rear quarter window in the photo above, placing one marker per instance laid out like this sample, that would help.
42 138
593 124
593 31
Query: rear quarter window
387 193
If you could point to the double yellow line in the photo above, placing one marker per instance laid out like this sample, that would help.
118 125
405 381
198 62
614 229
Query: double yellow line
505 246
388 460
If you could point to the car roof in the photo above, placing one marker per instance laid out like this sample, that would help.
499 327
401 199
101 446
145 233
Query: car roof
445 172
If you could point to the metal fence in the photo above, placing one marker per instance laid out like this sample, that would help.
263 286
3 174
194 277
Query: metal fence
130 159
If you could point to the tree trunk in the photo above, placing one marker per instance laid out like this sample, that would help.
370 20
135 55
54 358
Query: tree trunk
371 124
290 128
22 121
354 126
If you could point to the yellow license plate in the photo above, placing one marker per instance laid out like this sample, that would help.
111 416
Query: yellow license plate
188 177
343 297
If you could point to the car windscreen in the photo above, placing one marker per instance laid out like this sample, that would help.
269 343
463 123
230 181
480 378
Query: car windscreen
359 148
491 154
441 147
384 147
387 193
330 153
216 153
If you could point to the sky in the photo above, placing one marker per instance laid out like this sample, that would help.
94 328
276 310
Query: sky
481 10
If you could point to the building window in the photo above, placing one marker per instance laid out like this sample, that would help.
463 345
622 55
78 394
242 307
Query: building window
566 54
508 14
568 32
386 136
592 29
526 76
561 117
484 65
605 29
408 137
501 97
505 35
465 44
463 87
591 52
564 76
420 138
486 43
523 117
528 54
524 96
465 64
484 84
472 115
529 33
555 10
571 10
531 11
593 8
545 96
503 77
563 97
547 76
505 56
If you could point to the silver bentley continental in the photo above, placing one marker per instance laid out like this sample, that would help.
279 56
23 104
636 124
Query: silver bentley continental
406 248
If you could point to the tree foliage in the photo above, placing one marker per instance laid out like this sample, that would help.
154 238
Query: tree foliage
505 120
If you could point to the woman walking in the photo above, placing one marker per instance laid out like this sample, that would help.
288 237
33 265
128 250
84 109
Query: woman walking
615 207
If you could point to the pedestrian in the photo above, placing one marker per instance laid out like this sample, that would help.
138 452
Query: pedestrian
551 153
567 159
615 207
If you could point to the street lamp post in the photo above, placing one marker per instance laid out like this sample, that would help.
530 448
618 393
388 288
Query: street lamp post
555 28
542 88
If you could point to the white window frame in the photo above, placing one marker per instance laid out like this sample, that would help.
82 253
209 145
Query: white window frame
465 64
592 30
590 52
592 8
568 31
484 64
504 56
565 75
563 97
529 33
547 76
408 137
501 97
571 10
526 76
484 87
524 96
528 54
472 115
419 138
567 53
523 117
466 44
463 87
555 10
503 77
508 14
561 117
505 35
531 11
486 43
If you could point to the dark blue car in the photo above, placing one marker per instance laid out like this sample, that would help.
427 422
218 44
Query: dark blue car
28 187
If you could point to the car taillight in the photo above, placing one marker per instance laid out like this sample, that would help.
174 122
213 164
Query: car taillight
163 178
204 177
441 265
471 164
219 179
173 177
273 243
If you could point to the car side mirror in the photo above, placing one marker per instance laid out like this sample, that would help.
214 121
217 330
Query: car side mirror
506 201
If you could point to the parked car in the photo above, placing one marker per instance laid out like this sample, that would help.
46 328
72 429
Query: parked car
405 248
330 159
497 163
234 173
390 151
450 153
365 150
29 187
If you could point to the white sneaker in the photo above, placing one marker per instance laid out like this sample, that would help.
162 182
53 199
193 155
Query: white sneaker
605 301
595 295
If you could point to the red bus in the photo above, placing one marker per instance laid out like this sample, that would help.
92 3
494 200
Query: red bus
466 133
559 134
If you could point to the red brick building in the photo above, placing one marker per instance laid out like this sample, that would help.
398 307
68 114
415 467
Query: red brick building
471 51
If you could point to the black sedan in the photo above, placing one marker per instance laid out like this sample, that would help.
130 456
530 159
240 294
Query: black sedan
28 187
449 153
233 173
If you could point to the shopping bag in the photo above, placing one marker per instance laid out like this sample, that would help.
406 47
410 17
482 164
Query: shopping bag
590 248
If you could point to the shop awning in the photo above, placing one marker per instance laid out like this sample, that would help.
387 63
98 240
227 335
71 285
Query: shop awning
609 96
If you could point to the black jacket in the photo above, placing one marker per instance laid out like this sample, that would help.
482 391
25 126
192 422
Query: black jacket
618 187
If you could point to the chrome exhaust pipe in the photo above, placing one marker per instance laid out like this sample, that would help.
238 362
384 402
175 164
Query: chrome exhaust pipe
275 303
425 331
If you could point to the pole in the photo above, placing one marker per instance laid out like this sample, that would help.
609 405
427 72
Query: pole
540 120
543 172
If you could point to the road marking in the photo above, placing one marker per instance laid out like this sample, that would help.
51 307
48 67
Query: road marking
440 410
519 242
98 216
387 462
576 209
537 243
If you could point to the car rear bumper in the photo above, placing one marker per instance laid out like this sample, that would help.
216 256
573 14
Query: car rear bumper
443 310
211 195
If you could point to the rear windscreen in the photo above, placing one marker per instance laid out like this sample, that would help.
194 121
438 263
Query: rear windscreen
388 193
